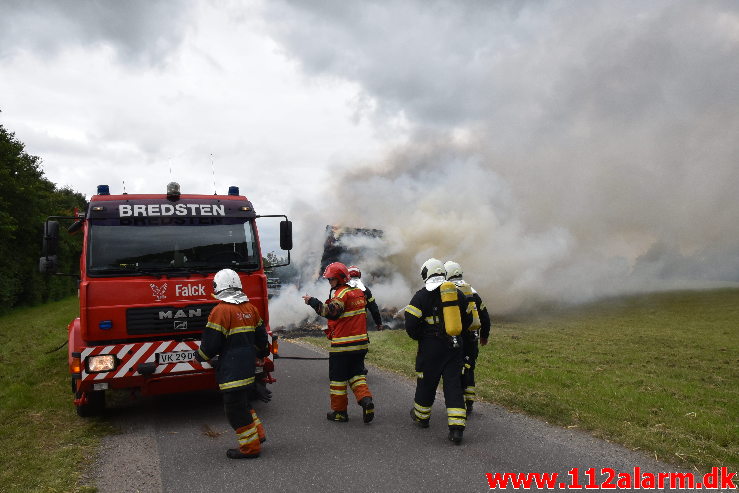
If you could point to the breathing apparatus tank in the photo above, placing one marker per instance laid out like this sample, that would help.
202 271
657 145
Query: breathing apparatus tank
450 309
471 307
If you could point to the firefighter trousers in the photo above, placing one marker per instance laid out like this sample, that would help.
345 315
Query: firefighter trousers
347 368
468 377
244 420
437 360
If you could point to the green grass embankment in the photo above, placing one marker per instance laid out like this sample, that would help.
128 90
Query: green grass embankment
44 446
657 373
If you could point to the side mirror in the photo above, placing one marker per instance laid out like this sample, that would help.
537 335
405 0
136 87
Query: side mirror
286 235
75 226
51 238
47 265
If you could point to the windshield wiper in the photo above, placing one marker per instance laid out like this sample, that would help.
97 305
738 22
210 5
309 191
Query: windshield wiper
245 265
171 271
120 270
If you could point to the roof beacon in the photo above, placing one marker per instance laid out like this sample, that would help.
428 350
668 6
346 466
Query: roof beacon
173 191
103 190
233 190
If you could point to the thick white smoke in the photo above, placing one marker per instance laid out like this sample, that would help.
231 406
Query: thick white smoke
558 151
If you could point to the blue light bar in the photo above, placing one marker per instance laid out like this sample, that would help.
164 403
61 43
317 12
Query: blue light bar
233 190
103 190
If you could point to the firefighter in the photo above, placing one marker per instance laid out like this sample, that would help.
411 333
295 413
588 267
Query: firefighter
356 282
436 317
235 333
347 331
479 330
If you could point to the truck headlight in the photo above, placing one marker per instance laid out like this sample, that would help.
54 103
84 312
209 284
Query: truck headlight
101 363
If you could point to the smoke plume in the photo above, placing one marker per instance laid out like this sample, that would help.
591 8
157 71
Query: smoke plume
558 151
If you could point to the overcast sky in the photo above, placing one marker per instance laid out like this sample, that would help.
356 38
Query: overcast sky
558 150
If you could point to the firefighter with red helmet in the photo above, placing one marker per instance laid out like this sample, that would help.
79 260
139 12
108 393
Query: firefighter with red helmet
347 331
356 282
235 333
480 329
436 317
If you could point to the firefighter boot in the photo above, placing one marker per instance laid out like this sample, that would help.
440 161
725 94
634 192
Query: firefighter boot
455 434
234 453
421 423
368 409
468 406
338 416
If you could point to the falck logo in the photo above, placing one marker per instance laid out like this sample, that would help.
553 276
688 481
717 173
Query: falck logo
159 292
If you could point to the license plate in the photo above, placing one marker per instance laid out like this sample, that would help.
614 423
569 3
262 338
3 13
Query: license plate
176 357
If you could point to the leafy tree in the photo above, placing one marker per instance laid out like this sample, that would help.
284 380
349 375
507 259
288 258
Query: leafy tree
26 199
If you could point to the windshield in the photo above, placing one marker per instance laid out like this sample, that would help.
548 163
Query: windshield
156 246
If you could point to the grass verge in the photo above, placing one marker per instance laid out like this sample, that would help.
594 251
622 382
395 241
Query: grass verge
657 373
44 446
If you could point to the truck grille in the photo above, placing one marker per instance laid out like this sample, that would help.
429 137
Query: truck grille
160 319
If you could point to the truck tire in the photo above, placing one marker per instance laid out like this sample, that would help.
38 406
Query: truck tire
94 406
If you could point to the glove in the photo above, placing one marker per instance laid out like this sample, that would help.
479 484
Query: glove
212 362
314 303
261 392
262 353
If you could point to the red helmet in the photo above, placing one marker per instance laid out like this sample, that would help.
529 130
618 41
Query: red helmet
336 270
354 271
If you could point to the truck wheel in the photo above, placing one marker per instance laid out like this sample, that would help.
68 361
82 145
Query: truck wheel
95 403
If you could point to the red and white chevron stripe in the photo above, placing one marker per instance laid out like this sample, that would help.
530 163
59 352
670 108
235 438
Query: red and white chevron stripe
130 355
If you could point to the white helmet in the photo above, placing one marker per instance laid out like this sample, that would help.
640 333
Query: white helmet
227 287
432 267
453 269
225 279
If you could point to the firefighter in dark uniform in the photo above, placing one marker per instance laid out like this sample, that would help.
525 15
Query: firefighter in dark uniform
347 329
235 333
372 307
479 330
436 317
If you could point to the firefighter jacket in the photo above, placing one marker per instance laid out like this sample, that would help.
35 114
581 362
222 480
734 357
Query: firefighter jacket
482 310
423 315
372 306
347 319
371 303
237 335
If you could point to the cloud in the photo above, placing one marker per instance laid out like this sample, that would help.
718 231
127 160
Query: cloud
138 31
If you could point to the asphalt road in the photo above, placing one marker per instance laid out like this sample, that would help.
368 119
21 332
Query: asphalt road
178 443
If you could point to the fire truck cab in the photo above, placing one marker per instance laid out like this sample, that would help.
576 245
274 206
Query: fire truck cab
145 288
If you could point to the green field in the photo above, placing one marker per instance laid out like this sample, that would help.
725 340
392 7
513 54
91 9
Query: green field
44 446
658 373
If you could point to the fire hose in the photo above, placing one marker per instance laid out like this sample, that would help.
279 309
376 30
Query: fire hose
57 349
300 357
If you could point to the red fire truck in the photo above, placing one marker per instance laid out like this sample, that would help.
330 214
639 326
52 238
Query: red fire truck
145 288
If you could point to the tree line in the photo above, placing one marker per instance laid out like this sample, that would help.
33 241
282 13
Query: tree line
27 198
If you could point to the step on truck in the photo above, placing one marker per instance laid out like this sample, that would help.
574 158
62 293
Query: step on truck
145 288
